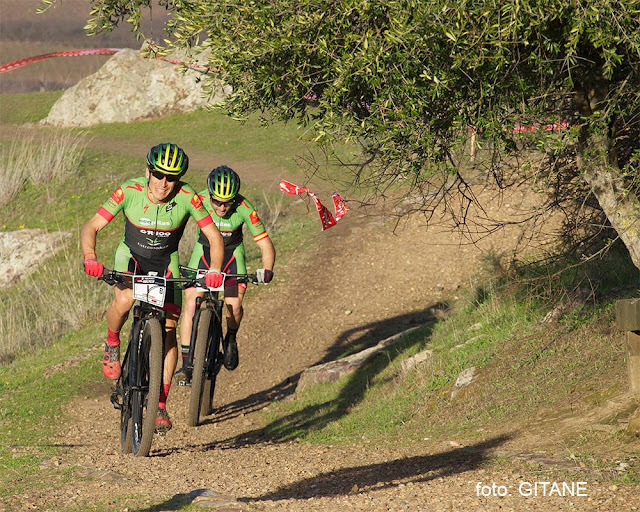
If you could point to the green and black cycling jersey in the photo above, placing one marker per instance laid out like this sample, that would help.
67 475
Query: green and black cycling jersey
230 225
154 230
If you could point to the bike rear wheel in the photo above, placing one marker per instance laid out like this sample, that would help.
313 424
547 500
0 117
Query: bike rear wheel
146 391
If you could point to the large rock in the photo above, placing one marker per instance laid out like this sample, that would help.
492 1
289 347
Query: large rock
130 87
335 370
21 252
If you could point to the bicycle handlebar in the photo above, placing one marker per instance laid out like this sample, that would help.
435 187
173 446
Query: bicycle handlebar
116 277
242 278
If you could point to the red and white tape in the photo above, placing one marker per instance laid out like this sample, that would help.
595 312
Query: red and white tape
326 218
10 66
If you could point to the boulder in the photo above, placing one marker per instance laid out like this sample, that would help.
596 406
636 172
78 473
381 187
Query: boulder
465 378
21 252
335 370
130 87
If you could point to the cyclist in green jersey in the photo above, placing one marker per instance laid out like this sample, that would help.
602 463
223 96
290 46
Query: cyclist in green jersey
156 208
230 211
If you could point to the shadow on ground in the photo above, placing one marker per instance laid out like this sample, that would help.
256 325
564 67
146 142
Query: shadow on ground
365 478
370 477
317 416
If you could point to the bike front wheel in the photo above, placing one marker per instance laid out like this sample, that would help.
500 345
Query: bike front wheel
125 385
146 392
201 382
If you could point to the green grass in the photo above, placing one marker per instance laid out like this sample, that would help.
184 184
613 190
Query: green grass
217 134
26 108
31 408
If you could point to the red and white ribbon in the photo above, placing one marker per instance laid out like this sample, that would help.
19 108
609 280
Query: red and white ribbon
10 66
326 218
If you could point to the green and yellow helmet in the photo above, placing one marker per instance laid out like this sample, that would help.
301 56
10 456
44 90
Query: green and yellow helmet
223 183
168 158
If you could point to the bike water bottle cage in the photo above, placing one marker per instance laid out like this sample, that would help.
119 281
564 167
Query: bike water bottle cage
223 183
168 159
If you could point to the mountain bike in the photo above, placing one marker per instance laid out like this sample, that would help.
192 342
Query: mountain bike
204 359
137 390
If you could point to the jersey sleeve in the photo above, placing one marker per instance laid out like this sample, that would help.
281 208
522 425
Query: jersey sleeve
196 208
113 205
252 220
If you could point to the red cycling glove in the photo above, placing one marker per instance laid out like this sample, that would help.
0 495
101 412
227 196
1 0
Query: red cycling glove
93 267
213 279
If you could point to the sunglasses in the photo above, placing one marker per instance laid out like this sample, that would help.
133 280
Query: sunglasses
160 176
221 203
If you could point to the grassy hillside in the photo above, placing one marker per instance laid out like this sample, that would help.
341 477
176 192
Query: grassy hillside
533 375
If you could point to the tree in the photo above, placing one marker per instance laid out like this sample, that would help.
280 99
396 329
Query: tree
406 79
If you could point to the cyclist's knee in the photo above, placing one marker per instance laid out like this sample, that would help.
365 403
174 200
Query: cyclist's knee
122 302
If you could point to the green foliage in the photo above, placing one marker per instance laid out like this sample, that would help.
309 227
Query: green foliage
405 77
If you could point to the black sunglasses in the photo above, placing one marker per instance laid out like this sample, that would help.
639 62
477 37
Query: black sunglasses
221 203
160 176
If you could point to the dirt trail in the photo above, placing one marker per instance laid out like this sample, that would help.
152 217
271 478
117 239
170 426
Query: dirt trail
358 283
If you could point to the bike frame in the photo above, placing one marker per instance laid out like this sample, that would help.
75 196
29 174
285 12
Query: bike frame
212 301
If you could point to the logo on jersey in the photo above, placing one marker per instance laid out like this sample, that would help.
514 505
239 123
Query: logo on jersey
146 207
137 186
196 201
171 205
161 234
154 242
254 217
118 195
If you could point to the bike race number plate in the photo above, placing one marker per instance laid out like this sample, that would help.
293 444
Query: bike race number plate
151 289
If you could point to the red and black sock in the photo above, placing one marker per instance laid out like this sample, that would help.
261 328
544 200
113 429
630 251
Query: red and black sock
164 393
113 338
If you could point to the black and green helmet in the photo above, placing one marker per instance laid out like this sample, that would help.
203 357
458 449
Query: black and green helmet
223 183
168 158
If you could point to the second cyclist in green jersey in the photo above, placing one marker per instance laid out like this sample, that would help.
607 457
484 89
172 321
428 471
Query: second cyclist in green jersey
230 211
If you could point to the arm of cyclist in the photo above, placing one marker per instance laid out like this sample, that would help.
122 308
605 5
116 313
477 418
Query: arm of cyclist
213 278
88 237
268 253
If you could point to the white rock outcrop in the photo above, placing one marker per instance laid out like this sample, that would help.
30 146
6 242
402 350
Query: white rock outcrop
130 87
22 251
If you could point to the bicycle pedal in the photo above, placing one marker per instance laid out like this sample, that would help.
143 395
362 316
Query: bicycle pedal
114 399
